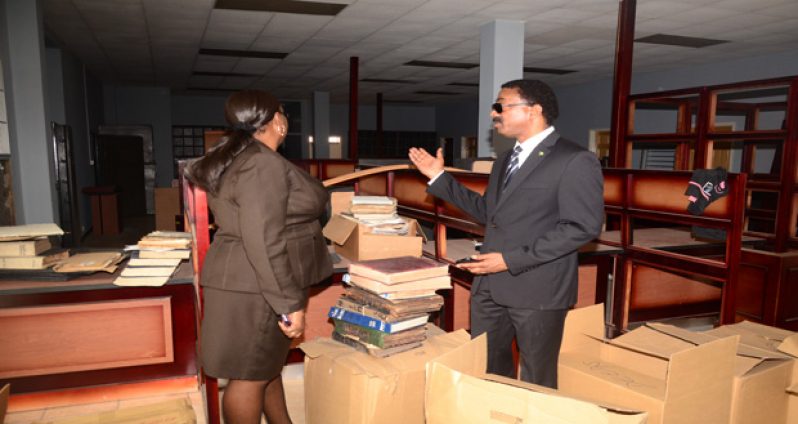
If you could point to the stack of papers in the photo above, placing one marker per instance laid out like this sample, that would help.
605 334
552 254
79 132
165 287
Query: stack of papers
164 245
147 272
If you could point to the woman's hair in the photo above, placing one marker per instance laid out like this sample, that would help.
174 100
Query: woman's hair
245 111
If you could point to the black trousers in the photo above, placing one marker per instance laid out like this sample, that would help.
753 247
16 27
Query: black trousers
538 334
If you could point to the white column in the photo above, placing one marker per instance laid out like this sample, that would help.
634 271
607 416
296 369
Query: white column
321 124
31 152
501 59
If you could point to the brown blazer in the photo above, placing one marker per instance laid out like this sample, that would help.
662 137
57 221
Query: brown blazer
269 239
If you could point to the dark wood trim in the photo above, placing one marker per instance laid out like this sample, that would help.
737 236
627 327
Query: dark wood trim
624 51
354 66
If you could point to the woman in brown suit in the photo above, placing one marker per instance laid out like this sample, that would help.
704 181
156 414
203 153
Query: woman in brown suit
267 251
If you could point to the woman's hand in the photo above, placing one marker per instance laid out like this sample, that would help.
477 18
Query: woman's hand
297 325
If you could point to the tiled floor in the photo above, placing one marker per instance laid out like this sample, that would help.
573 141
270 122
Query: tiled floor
24 409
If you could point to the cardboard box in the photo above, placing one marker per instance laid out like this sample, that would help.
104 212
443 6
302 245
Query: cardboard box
176 411
764 372
355 241
792 402
343 385
673 380
167 205
4 393
459 391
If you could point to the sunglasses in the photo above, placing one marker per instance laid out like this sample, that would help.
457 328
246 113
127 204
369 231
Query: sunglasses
499 108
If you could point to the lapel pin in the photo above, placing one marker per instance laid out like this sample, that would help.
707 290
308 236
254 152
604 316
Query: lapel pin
540 153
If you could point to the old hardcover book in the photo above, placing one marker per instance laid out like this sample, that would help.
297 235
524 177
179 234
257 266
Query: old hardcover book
371 349
153 262
165 254
352 305
401 295
25 247
376 323
433 283
378 338
29 231
43 261
395 307
399 270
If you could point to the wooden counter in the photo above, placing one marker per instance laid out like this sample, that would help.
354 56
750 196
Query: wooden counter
87 331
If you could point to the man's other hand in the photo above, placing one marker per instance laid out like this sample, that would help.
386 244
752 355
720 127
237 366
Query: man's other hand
488 263
427 164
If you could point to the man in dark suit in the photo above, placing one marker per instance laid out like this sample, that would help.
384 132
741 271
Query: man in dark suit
544 200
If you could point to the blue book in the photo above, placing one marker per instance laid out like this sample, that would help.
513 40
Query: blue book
377 324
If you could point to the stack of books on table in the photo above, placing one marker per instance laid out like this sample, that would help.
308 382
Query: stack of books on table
387 304
165 245
28 247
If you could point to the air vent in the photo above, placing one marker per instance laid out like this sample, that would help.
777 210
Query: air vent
243 53
388 81
222 74
283 6
431 64
442 93
552 71
678 40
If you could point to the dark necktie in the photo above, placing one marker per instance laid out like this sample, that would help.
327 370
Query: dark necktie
512 167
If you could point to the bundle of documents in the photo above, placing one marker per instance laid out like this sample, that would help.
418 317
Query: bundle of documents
387 304
29 247
379 214
165 245
90 262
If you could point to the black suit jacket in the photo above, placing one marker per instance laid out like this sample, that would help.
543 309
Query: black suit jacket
553 205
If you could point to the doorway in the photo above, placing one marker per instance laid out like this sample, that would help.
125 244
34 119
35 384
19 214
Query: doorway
120 163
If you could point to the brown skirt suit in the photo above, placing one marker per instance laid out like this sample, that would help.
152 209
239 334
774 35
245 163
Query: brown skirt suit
267 251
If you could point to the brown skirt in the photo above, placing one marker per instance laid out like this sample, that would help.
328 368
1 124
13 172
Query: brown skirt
240 337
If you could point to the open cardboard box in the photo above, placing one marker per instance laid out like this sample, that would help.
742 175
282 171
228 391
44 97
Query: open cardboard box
673 380
766 374
343 385
459 391
355 241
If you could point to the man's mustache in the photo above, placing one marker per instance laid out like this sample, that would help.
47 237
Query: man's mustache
497 120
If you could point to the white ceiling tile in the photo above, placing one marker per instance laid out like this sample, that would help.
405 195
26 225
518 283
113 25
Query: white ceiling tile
350 28
205 81
787 9
252 65
237 83
288 71
655 9
277 44
214 63
293 25
324 72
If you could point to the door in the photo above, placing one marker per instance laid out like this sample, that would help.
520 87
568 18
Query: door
120 162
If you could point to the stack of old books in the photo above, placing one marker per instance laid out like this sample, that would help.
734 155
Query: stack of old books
165 245
378 213
28 247
387 304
